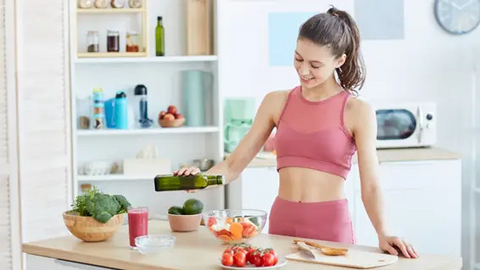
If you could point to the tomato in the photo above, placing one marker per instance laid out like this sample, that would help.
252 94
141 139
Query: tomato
239 249
257 259
229 250
267 259
250 251
227 259
240 258
275 256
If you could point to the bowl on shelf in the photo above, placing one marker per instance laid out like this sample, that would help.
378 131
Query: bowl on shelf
233 226
90 230
149 244
172 123
184 223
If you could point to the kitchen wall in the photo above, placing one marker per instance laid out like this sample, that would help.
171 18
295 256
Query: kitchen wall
427 64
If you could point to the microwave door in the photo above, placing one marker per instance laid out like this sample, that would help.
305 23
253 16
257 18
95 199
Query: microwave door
420 125
397 127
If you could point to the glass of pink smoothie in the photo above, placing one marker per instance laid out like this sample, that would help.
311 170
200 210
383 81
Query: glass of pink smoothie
137 223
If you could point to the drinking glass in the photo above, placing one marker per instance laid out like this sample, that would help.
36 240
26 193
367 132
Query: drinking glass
137 223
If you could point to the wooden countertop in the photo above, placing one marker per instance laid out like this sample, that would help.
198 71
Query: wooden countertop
267 159
195 250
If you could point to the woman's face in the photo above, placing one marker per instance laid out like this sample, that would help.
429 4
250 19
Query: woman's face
315 64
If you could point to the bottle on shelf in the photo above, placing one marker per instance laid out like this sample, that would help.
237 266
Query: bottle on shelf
171 182
98 109
160 37
121 110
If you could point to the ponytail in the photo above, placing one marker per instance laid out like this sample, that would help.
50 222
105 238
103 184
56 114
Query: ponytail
337 30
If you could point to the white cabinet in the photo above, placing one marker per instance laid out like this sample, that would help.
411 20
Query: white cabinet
422 202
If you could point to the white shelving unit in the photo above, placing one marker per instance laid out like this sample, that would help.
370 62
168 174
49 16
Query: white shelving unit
162 77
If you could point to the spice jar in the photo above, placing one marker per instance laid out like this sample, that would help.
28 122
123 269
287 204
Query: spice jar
135 3
113 41
132 42
101 3
93 44
117 3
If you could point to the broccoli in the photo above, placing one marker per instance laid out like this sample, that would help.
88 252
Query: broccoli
102 207
124 204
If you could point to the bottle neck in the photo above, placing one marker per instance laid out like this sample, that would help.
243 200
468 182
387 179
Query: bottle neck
159 23
215 180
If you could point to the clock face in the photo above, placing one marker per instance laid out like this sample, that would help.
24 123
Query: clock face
458 16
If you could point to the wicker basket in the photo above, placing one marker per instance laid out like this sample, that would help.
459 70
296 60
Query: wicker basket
172 123
90 230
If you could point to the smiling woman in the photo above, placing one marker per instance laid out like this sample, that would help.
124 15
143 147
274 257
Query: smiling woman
320 125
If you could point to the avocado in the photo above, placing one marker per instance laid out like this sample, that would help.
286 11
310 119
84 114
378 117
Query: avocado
192 207
175 210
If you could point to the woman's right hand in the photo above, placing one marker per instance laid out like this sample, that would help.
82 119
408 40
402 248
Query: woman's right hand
187 171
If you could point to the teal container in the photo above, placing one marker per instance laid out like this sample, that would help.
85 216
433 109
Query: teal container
194 88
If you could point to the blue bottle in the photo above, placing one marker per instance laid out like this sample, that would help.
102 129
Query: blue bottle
121 110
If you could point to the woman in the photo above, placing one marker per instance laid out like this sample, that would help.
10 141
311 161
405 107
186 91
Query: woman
320 125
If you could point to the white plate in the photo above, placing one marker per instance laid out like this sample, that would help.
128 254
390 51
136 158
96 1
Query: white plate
281 262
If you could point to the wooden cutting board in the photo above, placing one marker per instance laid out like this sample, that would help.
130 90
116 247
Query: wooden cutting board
353 259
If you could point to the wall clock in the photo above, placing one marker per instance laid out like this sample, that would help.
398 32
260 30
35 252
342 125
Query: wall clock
457 16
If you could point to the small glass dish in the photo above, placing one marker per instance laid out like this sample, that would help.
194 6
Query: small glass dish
148 244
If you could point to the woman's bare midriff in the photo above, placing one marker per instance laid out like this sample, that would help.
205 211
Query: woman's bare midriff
307 185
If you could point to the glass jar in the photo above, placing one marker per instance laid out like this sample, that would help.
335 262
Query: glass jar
132 42
135 3
113 41
93 44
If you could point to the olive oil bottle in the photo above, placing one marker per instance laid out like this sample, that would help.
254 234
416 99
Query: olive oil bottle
160 38
186 182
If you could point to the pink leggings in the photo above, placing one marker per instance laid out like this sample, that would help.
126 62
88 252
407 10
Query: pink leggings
327 221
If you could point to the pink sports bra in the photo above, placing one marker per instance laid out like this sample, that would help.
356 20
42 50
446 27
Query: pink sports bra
312 134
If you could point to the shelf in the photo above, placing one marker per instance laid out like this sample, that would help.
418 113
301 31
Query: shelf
112 177
110 10
180 130
129 59
109 55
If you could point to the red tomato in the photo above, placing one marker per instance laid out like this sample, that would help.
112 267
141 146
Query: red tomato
267 259
229 251
227 259
239 249
257 259
240 258
275 256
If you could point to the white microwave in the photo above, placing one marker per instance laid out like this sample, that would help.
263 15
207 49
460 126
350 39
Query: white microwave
406 125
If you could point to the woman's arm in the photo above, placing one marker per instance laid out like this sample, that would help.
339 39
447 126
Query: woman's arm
249 146
365 133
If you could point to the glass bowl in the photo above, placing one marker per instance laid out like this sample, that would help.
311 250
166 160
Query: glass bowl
233 226
148 244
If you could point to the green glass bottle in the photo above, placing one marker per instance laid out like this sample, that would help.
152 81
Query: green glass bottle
160 38
186 182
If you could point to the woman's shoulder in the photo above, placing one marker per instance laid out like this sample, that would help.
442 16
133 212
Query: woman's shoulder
359 110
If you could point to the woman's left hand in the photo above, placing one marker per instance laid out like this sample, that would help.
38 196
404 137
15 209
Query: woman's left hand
394 245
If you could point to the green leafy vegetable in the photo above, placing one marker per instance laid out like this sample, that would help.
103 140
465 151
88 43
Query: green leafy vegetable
99 205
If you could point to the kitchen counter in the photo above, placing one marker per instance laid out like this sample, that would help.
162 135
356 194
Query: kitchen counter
267 159
196 250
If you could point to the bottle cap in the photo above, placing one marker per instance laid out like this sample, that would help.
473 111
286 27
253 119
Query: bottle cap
120 94
159 18
140 90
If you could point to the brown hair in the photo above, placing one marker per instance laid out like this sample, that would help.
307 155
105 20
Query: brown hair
337 30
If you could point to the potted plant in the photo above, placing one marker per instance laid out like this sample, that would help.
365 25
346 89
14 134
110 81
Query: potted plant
96 216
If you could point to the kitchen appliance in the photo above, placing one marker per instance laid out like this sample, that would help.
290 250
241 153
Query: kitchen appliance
239 115
406 125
